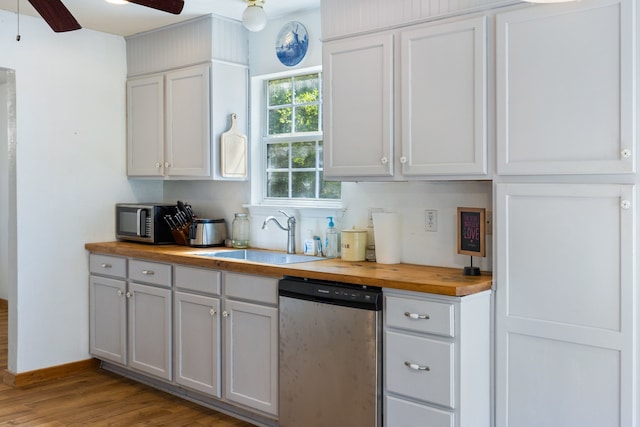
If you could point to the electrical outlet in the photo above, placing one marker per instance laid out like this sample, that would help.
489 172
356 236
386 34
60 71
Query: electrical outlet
431 220
370 216
488 223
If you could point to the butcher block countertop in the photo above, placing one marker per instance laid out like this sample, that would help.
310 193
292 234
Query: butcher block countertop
410 277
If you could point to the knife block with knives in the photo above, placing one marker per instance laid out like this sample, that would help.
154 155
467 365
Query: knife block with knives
180 223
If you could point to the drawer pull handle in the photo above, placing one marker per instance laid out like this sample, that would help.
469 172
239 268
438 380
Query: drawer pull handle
416 367
416 316
148 272
105 265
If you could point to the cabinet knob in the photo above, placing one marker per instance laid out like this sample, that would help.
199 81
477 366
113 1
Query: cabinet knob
625 204
148 272
128 294
626 153
105 265
416 367
384 160
120 293
158 165
212 312
225 313
416 316
403 160
166 165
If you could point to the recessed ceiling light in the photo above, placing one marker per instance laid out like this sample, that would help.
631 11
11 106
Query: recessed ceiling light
117 1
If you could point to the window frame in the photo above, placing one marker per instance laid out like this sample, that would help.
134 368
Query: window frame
259 128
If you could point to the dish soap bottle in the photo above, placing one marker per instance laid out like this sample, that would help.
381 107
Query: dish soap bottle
331 240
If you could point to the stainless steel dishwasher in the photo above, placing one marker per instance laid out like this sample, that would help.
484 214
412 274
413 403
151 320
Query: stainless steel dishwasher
330 354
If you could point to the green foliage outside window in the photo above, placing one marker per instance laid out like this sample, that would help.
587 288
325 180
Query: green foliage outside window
294 140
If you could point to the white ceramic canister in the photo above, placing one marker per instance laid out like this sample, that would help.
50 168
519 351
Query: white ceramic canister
354 245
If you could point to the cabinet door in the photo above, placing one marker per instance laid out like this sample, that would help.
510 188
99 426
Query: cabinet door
251 350
564 306
444 99
358 106
108 319
197 338
145 126
188 134
150 330
565 95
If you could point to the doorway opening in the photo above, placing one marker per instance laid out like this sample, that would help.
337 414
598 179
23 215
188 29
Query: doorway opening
8 215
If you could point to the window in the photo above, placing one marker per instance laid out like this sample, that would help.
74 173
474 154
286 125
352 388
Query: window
293 141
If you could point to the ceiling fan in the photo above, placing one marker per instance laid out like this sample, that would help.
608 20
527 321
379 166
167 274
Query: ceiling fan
60 19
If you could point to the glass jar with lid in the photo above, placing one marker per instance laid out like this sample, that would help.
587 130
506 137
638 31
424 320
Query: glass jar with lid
240 231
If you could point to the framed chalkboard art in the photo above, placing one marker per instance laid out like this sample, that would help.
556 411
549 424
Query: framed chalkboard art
471 236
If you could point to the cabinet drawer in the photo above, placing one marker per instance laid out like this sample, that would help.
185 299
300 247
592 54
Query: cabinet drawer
420 315
108 265
434 383
197 279
408 414
254 288
150 272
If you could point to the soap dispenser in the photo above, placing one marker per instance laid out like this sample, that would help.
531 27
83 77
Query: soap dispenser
331 240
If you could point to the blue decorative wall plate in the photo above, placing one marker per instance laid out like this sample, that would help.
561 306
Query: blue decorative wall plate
292 43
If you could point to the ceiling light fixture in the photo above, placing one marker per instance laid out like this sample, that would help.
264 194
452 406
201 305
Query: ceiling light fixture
254 18
117 1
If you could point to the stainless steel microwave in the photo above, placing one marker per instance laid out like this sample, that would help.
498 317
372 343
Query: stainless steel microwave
144 222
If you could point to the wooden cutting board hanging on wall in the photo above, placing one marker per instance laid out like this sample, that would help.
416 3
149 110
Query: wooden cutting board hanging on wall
233 152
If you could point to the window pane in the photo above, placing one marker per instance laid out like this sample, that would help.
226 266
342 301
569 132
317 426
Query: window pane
280 121
307 88
279 92
329 189
307 118
278 156
303 184
320 155
304 155
278 184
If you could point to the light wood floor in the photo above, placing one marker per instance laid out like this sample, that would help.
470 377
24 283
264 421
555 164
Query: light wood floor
97 398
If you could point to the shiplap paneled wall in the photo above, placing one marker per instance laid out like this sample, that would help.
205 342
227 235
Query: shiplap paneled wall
342 18
190 42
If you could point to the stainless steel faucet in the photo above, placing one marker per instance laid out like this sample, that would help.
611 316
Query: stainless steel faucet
291 229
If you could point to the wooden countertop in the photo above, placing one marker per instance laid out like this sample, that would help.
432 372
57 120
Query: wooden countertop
419 278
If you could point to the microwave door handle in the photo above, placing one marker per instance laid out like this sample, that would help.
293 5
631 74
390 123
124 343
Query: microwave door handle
139 222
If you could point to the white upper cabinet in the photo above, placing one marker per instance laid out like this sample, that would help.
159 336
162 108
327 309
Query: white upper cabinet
429 123
565 94
188 130
358 106
444 98
145 126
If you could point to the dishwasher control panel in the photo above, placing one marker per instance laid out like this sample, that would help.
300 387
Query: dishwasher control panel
360 296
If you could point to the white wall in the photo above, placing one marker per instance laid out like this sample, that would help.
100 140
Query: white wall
70 152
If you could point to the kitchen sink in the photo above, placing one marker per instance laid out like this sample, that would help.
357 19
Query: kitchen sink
263 257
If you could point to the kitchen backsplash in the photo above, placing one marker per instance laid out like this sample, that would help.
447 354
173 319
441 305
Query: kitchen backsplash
409 199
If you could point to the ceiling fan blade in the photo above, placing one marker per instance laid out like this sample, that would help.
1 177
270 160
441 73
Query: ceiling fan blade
171 6
56 15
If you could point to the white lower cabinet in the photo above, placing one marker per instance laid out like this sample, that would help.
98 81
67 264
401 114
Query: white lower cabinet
437 360
130 322
197 329
565 327
240 322
251 341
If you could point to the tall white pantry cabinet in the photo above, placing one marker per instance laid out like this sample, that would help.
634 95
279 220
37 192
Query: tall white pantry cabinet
565 203
562 114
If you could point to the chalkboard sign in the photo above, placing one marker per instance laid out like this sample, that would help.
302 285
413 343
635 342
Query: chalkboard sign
471 237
